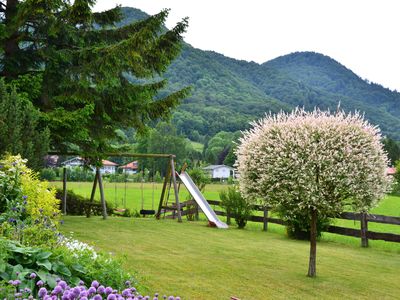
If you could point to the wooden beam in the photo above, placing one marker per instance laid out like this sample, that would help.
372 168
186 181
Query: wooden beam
114 154
178 206
102 199
164 188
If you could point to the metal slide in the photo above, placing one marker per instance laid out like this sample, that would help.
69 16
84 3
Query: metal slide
201 201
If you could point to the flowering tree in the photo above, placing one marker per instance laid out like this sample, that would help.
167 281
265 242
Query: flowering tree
313 164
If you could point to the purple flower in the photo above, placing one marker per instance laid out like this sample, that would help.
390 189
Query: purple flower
101 289
62 284
11 220
57 290
16 282
18 294
65 296
14 208
126 293
40 283
24 197
171 298
42 292
84 298
81 282
109 290
111 297
91 290
76 291
32 276
83 294
40 210
127 283
27 290
58 279
97 297
95 284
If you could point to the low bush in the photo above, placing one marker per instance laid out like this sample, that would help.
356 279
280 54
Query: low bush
298 226
26 203
48 174
236 206
78 205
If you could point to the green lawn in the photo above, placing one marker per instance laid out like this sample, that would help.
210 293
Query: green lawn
197 262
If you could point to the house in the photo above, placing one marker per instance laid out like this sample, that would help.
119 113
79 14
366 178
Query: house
73 162
108 167
130 168
220 171
390 171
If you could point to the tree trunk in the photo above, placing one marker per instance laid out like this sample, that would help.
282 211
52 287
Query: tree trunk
312 271
10 43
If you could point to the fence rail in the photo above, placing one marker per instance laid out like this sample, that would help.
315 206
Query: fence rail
362 233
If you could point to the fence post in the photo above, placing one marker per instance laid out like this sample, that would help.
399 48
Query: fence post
64 198
228 216
364 229
265 219
196 214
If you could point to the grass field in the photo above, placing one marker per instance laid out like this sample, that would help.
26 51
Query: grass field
197 262
130 195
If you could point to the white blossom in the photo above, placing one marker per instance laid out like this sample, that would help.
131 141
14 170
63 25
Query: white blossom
317 159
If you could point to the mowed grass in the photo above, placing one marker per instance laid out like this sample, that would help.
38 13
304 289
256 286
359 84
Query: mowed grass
130 195
198 262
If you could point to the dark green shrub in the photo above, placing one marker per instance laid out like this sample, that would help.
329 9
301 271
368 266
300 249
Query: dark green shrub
78 205
80 174
236 205
48 174
298 226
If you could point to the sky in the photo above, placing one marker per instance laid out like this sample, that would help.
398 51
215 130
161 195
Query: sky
363 35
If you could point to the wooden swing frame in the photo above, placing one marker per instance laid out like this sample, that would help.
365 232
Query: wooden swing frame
170 176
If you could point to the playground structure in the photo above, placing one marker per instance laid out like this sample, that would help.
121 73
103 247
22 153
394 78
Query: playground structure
170 180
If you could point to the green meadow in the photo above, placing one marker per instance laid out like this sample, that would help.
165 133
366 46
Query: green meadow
197 262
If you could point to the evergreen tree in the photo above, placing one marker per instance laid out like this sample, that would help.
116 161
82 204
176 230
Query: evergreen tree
94 78
19 130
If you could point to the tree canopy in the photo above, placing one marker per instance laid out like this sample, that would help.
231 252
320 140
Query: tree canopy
313 164
91 77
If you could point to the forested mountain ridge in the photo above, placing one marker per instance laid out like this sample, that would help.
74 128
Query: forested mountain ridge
228 93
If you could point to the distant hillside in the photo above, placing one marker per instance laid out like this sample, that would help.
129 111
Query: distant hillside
228 93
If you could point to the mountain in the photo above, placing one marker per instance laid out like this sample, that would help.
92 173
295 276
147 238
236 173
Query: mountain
228 93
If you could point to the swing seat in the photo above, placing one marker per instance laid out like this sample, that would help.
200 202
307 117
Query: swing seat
146 212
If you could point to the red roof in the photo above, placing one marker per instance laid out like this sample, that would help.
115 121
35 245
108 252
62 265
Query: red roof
132 166
108 163
390 171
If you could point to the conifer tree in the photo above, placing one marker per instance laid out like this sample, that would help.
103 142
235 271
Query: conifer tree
93 78
19 128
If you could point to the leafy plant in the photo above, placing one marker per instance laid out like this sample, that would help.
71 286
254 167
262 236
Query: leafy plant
235 205
26 201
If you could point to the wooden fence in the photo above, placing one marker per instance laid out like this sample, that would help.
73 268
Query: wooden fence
362 233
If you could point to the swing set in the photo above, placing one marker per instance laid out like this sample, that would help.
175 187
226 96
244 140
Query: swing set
169 181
